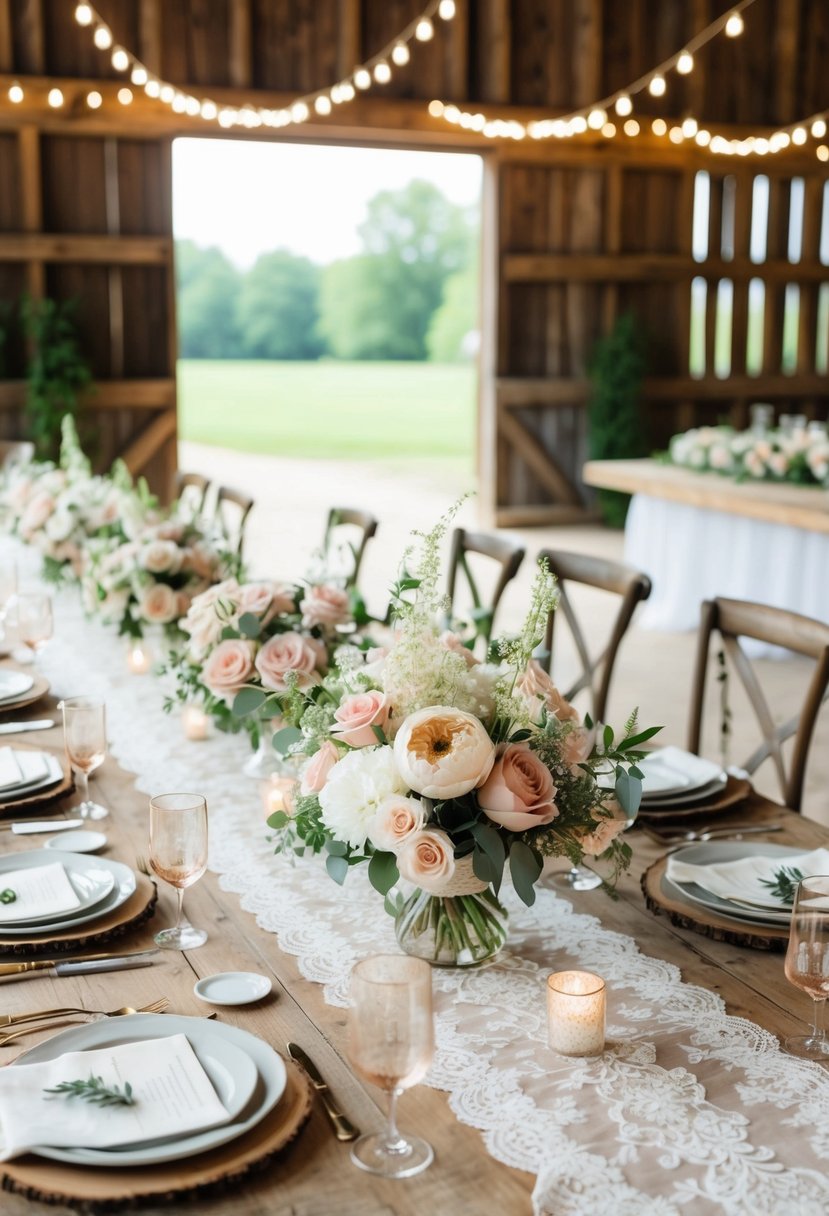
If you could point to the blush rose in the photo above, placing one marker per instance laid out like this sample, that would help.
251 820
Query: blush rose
519 792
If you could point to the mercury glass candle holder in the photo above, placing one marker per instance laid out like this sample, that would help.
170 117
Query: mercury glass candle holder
576 1013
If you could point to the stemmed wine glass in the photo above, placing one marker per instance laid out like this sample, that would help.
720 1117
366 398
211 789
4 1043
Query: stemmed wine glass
178 854
807 961
391 1042
578 878
34 621
85 740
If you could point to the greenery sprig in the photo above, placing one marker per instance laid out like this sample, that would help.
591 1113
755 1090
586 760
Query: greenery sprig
8 896
784 883
93 1090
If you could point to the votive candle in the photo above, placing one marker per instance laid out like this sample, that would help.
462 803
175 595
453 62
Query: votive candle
576 1013
276 794
139 659
196 722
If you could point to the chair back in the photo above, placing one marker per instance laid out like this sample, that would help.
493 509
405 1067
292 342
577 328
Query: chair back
631 586
362 526
735 619
500 549
192 488
16 451
232 510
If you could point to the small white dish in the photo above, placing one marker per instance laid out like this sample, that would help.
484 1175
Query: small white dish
232 988
78 840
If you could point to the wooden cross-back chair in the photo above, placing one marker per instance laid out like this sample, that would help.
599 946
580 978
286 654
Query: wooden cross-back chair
353 517
500 549
735 619
232 510
630 585
193 487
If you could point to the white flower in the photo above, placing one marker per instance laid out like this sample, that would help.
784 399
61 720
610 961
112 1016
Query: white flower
443 752
60 525
355 788
161 557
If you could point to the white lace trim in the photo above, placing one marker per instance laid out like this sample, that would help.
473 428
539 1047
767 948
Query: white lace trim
688 1111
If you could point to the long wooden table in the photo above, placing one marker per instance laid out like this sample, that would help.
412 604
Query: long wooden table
314 1176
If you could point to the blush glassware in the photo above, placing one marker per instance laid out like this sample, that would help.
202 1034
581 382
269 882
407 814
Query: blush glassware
33 622
178 855
85 740
807 962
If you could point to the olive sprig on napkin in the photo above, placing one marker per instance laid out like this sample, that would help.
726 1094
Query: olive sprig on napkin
784 883
94 1090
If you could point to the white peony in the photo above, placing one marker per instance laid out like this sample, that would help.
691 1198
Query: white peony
355 788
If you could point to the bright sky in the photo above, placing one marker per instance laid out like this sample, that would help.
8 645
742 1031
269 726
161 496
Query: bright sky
249 198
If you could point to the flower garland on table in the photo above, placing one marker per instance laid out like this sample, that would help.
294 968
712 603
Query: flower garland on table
431 767
59 509
800 457
253 644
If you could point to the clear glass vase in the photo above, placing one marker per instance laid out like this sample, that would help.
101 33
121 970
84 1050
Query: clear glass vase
452 930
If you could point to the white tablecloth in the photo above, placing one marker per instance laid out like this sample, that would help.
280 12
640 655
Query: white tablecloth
693 554
689 1112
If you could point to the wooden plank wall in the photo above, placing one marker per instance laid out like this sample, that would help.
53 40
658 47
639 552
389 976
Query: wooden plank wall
575 232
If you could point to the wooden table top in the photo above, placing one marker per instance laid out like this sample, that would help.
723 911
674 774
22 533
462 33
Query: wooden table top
314 1177
798 506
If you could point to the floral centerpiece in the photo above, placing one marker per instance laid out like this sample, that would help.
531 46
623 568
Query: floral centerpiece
58 509
250 644
153 578
435 769
799 456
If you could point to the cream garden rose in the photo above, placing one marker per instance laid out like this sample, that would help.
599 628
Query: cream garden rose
324 606
519 792
427 859
161 557
229 668
396 819
159 604
443 752
357 716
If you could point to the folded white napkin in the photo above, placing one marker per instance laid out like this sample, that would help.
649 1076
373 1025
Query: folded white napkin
173 1096
10 772
41 891
672 769
742 879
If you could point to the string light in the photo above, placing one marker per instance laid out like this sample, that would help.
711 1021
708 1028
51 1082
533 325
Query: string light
94 100
16 94
631 127
734 26
657 86
125 96
623 105
819 128
55 98
822 153
685 63
659 126
377 69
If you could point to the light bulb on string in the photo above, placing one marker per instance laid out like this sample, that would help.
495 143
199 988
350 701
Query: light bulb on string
102 38
139 75
703 138
125 96
346 91
689 128
209 110
734 26
424 30
179 103
631 127
657 85
382 72
436 108
596 119
446 9
16 94
819 128
400 53
623 106
822 153
120 59
153 89
94 100
84 14
685 63
191 106
609 130
675 135
799 136
659 126
322 104
55 98
362 78
299 112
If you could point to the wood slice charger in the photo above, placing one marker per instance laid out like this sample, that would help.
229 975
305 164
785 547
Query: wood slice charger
133 912
41 798
89 1189
686 914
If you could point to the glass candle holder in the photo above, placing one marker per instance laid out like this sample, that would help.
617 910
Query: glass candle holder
277 794
196 723
576 1013
139 658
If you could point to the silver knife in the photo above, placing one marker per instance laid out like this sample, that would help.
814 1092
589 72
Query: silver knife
17 728
344 1129
79 967
27 827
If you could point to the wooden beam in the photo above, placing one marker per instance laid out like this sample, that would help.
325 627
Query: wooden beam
107 395
29 24
6 43
240 43
587 51
539 461
349 42
149 442
31 206
458 51
495 40
786 59
83 248
149 33
544 515
527 393
653 267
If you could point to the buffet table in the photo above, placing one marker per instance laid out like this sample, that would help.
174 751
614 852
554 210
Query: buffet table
693 1109
699 535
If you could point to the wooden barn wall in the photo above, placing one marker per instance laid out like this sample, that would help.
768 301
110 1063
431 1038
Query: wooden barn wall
574 235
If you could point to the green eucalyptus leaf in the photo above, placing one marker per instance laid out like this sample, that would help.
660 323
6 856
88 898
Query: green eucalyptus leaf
336 848
278 819
525 866
248 701
628 792
337 868
383 872
250 625
285 738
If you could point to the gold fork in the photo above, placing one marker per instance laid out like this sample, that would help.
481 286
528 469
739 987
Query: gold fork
154 1007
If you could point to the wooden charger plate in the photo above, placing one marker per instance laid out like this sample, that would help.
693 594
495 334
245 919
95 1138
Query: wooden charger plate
42 798
220 1169
38 690
689 915
138 908
737 789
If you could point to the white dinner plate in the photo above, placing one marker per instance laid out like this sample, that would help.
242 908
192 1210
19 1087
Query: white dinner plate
661 802
232 988
716 852
125 884
90 881
671 770
209 1041
14 684
53 775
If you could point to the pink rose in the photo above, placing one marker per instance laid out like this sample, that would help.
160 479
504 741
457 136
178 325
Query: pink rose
40 507
324 606
606 830
161 557
159 604
265 600
538 690
357 715
396 819
229 668
201 561
452 642
576 747
427 859
290 652
518 794
319 766
169 530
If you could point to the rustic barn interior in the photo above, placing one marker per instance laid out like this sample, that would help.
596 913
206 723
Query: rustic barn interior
577 231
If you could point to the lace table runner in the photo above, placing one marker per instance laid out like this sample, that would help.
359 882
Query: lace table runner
688 1111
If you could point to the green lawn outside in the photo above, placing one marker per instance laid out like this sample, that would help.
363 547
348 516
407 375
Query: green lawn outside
367 411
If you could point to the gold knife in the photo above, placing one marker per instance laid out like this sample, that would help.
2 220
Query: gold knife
344 1129
45 964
